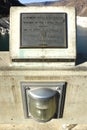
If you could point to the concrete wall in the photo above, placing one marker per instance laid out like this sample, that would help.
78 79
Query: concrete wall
11 108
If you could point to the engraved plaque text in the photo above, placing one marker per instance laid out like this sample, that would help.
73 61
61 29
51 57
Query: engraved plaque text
43 30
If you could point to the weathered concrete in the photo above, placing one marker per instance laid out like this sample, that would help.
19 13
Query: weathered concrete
11 108
42 127
43 53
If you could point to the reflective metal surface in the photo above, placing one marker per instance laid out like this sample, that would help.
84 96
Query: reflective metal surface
43 103
43 100
42 93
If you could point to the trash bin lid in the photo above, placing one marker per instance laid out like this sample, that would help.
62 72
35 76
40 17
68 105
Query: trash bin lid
42 93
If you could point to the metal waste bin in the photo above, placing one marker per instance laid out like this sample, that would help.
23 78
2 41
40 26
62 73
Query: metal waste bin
43 103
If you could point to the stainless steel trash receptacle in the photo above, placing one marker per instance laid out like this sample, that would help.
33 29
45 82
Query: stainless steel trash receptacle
43 103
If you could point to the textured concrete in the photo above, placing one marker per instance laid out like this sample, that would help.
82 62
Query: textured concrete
42 127
54 53
11 107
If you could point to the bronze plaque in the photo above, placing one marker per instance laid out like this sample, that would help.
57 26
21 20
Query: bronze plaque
43 30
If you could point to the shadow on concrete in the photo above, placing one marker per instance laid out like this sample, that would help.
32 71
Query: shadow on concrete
81 59
81 45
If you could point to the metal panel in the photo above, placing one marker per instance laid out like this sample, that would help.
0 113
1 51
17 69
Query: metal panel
60 87
43 30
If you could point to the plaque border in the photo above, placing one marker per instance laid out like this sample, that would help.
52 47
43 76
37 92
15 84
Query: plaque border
44 47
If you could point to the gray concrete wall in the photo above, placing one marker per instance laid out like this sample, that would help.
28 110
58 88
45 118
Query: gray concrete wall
11 107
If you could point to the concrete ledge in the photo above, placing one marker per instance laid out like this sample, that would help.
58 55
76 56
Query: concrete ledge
42 127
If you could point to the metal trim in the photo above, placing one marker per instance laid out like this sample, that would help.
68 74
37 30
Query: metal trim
60 87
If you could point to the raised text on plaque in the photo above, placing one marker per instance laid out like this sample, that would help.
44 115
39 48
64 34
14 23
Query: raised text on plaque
43 30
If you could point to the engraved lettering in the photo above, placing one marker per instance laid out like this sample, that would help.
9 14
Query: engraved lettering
43 30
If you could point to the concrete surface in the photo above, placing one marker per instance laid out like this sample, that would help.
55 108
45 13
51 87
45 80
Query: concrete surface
11 108
45 53
42 127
